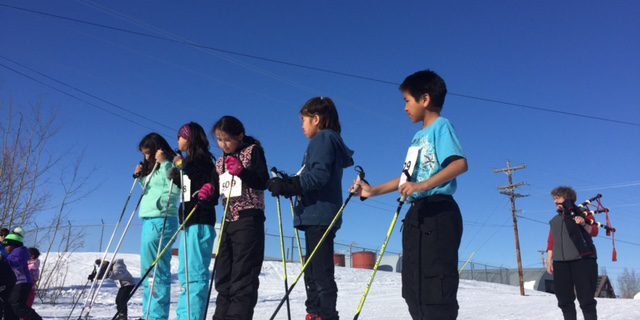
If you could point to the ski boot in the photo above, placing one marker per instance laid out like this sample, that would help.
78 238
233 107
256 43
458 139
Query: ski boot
121 316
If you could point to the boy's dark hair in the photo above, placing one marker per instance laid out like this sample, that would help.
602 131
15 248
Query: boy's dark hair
426 82
234 127
198 145
566 192
324 108
4 232
34 253
154 142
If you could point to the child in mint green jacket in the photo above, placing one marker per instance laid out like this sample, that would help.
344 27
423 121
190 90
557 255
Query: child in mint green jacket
158 211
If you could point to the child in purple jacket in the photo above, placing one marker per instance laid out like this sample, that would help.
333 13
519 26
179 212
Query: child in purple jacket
18 258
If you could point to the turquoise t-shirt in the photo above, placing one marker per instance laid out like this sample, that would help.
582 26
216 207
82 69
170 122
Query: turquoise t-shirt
437 142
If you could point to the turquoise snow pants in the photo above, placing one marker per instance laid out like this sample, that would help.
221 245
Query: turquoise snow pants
161 298
199 246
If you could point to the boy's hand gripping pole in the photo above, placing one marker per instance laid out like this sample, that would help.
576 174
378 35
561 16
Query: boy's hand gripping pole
382 250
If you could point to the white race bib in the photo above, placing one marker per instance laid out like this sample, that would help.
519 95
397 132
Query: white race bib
226 179
186 189
409 163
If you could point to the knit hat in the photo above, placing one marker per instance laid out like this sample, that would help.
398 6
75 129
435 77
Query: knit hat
13 239
185 132
19 230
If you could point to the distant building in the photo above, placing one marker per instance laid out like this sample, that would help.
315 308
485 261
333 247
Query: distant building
534 279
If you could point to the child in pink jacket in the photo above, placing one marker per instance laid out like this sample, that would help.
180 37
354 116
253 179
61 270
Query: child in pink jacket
34 269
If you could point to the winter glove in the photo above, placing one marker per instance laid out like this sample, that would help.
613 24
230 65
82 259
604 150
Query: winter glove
286 187
206 192
174 175
234 166
92 275
566 208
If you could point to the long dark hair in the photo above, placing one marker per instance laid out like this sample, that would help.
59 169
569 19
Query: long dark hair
324 108
154 142
233 127
198 145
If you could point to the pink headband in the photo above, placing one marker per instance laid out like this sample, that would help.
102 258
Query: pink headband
185 132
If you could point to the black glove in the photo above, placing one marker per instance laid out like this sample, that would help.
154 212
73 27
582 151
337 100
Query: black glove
174 174
286 187
568 207
92 275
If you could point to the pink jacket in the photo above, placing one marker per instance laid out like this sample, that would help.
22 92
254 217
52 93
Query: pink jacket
34 269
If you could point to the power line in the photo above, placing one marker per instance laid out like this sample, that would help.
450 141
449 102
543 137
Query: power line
75 97
605 237
315 68
87 93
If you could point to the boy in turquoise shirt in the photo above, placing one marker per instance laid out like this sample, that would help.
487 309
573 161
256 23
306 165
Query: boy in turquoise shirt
432 228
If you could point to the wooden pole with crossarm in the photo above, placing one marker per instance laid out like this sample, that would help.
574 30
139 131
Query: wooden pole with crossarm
510 191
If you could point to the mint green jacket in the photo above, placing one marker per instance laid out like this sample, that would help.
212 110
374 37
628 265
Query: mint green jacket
156 202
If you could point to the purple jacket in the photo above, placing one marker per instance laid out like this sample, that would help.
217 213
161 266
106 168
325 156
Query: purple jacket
18 259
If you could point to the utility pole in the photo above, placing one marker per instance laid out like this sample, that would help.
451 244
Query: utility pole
542 253
101 234
510 191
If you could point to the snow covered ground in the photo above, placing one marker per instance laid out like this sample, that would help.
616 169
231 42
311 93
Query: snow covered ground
478 300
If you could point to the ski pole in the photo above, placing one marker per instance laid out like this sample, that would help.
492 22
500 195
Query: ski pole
162 253
382 250
164 226
324 236
293 216
124 233
295 230
184 232
217 249
284 258
113 234
75 301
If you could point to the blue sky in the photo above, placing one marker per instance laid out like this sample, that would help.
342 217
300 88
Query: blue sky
566 56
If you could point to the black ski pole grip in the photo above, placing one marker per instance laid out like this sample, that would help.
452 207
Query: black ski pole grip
137 175
274 172
406 173
361 175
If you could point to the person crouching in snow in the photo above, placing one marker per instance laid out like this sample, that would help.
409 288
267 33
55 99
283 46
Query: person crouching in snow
124 280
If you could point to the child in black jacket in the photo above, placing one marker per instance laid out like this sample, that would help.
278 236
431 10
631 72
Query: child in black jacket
243 165
197 244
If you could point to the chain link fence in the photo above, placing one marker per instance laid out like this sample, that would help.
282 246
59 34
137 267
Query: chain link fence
96 237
